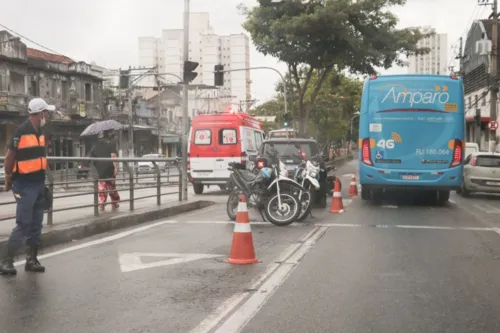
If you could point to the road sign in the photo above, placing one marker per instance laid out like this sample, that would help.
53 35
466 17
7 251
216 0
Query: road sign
493 125
132 261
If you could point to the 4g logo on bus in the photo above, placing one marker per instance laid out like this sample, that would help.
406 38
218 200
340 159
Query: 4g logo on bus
391 143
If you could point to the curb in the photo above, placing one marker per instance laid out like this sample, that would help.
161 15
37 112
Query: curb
61 234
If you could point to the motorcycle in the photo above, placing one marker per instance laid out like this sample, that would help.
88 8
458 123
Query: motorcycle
292 186
325 180
307 175
263 192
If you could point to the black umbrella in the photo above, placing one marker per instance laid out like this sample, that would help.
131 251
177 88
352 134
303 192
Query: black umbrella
101 126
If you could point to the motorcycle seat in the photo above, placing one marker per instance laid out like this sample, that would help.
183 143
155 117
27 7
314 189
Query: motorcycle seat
248 175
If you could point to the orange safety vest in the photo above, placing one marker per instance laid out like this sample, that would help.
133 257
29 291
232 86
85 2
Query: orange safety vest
30 155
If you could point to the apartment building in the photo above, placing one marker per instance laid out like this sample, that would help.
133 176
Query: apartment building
434 62
206 48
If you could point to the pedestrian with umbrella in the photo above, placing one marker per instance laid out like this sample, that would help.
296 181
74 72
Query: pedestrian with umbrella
107 171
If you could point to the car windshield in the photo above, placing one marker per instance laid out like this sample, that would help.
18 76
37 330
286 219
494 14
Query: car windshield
287 150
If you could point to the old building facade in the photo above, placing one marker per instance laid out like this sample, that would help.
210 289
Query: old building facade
74 87
476 72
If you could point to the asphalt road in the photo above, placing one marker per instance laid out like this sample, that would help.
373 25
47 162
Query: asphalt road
397 267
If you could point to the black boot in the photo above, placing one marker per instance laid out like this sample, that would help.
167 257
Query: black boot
7 265
32 263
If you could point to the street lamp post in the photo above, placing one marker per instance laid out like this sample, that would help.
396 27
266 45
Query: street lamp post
185 122
356 114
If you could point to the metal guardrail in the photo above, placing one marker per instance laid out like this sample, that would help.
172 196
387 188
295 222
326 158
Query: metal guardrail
66 173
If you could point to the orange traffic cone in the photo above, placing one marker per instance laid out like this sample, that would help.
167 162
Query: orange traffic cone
353 190
242 250
337 205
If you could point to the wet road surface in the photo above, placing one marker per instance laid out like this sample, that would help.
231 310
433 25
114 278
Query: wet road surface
396 267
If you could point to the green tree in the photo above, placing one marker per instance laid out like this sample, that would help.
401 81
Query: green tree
336 103
320 36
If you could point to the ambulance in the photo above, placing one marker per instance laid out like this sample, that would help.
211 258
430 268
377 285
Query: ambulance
217 139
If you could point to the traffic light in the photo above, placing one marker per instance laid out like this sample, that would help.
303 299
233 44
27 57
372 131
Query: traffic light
218 75
189 74
124 79
287 120
477 117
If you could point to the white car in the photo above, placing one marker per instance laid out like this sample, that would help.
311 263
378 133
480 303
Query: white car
148 167
481 173
471 147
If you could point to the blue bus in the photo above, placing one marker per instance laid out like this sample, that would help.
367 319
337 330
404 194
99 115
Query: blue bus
411 135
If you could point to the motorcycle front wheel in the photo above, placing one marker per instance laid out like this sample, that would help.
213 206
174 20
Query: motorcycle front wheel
232 205
306 202
284 214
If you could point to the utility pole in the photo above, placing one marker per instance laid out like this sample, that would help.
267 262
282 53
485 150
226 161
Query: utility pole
158 98
130 118
460 57
494 70
185 122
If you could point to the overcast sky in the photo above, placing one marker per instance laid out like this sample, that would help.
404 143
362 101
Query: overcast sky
107 31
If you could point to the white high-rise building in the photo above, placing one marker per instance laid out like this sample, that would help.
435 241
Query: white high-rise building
434 62
206 48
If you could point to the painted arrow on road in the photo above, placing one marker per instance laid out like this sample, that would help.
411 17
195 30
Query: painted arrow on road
132 261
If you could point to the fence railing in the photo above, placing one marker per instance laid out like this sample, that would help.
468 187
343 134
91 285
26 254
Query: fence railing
73 177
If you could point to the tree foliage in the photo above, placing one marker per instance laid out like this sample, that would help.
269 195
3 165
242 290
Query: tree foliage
321 36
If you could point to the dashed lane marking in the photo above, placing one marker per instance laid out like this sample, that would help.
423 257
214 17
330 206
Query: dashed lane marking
452 201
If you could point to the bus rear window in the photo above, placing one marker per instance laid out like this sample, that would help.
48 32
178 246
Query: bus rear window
203 137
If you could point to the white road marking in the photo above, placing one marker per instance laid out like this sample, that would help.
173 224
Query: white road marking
452 201
244 313
100 241
348 175
389 206
487 208
227 307
402 226
132 261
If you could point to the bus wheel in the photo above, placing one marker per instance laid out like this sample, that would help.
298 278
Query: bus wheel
198 188
365 193
443 197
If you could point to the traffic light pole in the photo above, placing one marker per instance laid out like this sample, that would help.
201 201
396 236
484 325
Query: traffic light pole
285 90
185 115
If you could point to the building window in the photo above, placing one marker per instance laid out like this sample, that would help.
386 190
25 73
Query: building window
88 92
34 88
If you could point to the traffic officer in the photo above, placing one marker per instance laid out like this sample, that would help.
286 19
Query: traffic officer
25 165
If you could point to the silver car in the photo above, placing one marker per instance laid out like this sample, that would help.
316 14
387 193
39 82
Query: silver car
481 173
